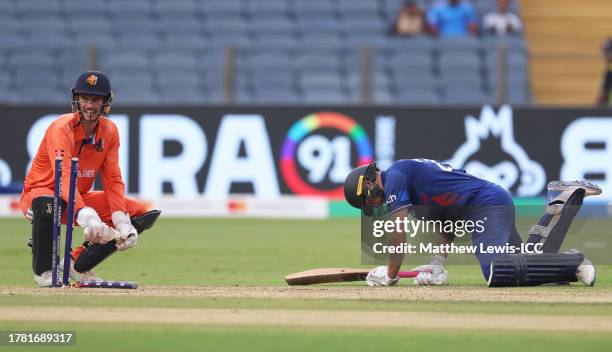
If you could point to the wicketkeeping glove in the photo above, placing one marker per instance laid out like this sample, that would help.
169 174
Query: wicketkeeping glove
128 236
94 230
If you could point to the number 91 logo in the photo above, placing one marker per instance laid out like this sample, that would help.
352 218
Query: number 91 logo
320 157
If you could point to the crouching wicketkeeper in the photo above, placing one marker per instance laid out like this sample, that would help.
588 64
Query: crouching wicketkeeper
88 134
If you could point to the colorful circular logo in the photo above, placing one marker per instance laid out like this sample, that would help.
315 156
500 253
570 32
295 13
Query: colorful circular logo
309 124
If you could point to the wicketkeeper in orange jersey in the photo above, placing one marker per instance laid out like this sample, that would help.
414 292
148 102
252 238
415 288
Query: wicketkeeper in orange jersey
88 134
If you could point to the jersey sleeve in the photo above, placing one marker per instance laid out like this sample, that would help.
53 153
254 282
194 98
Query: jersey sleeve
396 191
59 141
112 183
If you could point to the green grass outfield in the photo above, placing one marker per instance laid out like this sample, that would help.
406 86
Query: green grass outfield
245 254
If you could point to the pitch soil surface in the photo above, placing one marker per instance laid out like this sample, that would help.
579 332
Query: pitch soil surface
570 294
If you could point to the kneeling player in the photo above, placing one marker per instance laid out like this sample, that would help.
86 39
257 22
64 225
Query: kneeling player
88 134
456 195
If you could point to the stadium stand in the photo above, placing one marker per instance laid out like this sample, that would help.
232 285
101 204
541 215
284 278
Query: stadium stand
284 51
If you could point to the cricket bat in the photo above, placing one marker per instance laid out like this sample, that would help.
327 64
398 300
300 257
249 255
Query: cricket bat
327 275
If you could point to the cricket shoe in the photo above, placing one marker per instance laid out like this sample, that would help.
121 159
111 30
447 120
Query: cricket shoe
44 280
586 272
560 186
76 276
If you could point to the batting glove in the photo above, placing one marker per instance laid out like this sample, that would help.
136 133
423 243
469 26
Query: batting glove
432 273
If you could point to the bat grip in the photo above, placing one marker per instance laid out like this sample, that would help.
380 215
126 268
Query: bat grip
410 273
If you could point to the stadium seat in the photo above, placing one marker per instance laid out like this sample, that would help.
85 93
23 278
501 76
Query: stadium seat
26 8
275 96
40 96
127 59
9 25
325 96
78 9
134 96
184 96
138 41
379 81
419 60
182 25
48 41
321 39
47 25
83 41
267 8
324 80
418 97
165 60
312 60
466 96
179 8
314 8
459 43
128 79
183 41
146 26
323 25
271 25
5 78
118 8
269 60
96 25
220 9
350 8
462 60
272 79
32 58
35 77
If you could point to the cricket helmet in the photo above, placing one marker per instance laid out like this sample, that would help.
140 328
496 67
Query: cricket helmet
358 194
92 83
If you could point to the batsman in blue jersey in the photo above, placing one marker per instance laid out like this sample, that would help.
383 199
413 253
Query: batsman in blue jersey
412 186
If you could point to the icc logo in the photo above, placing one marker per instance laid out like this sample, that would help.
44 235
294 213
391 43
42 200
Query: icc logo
490 152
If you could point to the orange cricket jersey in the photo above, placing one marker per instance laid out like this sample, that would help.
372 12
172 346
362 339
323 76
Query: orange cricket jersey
97 154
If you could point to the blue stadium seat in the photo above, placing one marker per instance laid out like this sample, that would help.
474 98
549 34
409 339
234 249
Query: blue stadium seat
274 25
461 80
183 41
86 40
121 8
348 8
419 59
513 43
41 96
466 96
379 81
418 97
320 39
314 8
277 60
127 59
5 78
138 41
179 8
135 27
449 60
267 8
327 96
317 60
9 25
134 96
48 41
275 96
184 60
318 25
415 82
32 58
183 25
220 9
459 43
50 25
37 7
172 78
225 25
364 24
88 26
411 44
183 97
223 40
125 80
383 96
321 80
275 40
84 9
35 77
272 79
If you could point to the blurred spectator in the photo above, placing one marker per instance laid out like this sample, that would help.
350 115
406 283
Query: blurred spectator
502 21
409 21
605 95
452 18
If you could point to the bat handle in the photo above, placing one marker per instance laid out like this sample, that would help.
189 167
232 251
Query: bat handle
410 273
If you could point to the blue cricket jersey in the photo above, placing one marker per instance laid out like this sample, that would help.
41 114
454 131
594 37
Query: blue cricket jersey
428 182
